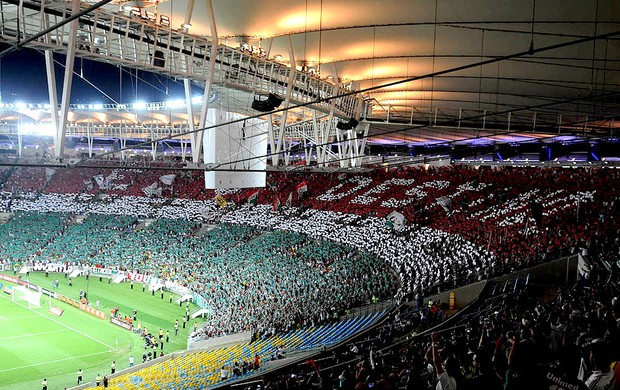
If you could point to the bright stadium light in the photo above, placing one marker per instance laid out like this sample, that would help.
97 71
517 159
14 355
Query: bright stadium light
177 103
139 105
197 99
36 129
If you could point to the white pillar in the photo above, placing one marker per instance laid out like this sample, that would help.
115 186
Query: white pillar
207 92
59 141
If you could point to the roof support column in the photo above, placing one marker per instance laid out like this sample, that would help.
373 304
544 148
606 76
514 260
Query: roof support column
327 126
153 144
122 140
207 92
190 119
360 144
342 148
315 128
188 14
59 139
51 89
287 101
89 138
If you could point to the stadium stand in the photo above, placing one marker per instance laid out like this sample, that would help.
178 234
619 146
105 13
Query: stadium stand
505 340
27 233
462 224
203 369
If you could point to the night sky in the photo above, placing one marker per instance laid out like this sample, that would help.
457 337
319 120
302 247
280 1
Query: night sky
23 79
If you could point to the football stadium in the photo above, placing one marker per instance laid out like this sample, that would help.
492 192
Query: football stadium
317 194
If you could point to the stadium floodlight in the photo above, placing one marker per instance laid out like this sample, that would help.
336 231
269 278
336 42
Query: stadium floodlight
23 293
177 103
197 99
139 106
45 129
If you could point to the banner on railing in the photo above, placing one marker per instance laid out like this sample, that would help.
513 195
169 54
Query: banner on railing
123 324
82 306
139 278
8 278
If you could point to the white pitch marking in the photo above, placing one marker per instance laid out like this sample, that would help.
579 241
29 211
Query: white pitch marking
18 318
66 326
53 361
33 334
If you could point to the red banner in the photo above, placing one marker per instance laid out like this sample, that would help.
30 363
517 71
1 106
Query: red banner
121 323
140 278
81 306
8 278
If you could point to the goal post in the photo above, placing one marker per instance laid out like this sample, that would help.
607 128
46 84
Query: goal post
23 293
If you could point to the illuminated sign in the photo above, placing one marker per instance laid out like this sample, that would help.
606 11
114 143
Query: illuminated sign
163 20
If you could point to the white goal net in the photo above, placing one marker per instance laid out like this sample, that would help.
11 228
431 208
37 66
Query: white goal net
22 293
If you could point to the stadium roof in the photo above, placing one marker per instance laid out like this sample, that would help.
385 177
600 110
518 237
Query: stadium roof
544 70
372 43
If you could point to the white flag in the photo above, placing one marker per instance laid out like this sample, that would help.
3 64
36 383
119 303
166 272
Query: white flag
167 179
152 190
49 172
396 220
445 203
100 180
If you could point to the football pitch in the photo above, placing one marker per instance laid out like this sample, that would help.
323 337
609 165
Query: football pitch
35 344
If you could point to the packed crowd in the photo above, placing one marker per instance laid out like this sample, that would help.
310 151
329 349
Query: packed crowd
509 341
462 224
252 280
486 222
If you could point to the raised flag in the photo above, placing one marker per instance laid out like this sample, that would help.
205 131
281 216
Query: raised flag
289 201
445 203
49 173
277 205
396 221
152 190
253 199
167 179
100 180
302 188
88 184
221 201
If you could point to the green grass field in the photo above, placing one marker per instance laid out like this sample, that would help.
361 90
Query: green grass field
35 344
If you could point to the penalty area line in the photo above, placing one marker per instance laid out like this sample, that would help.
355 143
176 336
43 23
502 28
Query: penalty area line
66 326
53 361
32 334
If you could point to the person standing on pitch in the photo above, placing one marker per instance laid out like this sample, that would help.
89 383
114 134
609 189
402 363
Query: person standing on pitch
113 367
79 376
131 361
44 384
